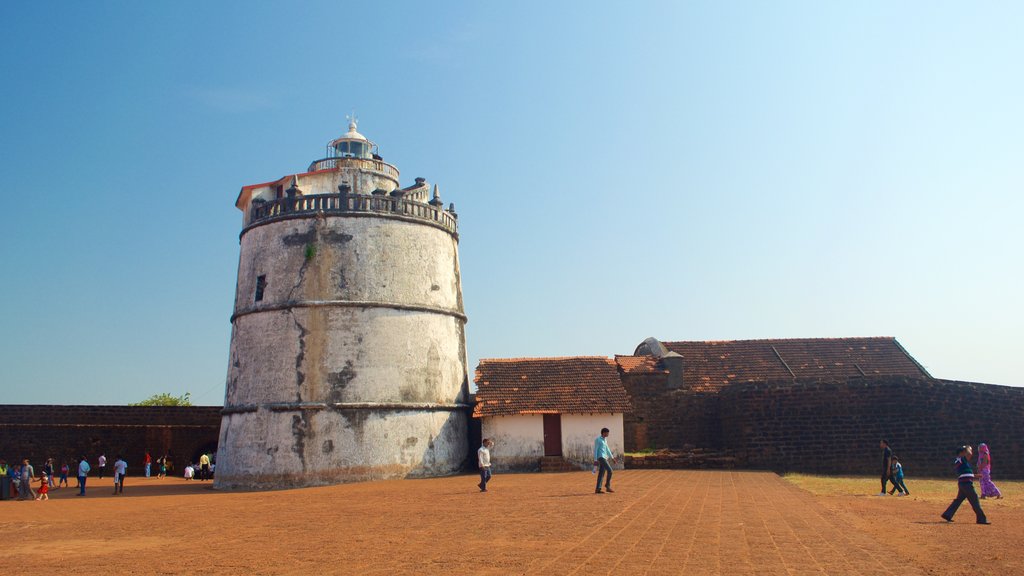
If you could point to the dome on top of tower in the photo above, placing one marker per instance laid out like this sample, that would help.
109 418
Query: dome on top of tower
352 132
352 144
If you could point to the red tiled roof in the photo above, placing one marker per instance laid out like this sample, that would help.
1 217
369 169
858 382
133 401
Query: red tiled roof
573 385
283 180
712 365
638 364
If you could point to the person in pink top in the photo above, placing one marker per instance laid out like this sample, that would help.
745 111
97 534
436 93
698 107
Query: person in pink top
985 466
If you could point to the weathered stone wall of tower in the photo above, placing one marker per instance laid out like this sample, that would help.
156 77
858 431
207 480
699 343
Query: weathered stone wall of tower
352 366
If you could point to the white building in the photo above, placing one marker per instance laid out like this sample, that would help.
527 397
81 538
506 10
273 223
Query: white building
547 412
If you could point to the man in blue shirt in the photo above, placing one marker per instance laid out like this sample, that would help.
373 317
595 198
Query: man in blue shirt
602 454
83 475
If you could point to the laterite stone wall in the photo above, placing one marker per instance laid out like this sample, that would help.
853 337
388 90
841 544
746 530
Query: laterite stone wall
832 427
38 432
664 418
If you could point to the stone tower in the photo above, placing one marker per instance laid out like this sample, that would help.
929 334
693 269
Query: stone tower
347 358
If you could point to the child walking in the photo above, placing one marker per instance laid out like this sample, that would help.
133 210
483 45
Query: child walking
44 488
897 478
63 475
985 466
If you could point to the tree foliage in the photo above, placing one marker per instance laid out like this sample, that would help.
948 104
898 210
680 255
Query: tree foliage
166 399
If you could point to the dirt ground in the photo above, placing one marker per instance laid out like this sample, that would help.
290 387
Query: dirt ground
657 522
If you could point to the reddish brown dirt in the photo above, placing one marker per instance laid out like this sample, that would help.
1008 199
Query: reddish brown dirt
657 522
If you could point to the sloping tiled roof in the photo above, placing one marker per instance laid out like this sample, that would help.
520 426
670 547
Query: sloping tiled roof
712 365
573 385
638 364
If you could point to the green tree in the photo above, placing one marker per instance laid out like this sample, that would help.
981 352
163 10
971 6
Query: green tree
166 399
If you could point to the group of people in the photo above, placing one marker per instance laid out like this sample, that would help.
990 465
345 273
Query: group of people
965 482
892 471
602 456
202 469
22 477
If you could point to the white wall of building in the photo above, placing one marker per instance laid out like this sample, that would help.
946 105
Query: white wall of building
579 432
518 441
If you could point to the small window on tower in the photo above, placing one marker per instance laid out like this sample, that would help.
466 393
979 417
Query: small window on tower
261 285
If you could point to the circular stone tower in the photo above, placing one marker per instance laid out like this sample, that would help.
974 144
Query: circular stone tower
347 358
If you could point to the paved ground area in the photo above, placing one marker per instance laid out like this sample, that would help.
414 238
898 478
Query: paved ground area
657 522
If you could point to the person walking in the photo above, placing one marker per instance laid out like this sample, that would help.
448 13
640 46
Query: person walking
965 487
886 464
120 470
483 462
48 471
148 461
602 454
897 478
101 465
27 474
44 488
83 474
985 467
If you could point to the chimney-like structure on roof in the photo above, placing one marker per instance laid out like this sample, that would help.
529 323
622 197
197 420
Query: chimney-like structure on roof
673 362
348 354
667 360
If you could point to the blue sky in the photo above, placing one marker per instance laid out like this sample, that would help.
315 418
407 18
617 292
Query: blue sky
687 171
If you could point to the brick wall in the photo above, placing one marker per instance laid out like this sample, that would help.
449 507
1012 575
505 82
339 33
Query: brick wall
67 432
664 418
835 427
832 427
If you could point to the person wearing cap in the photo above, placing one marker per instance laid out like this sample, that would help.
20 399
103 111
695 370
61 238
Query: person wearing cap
965 484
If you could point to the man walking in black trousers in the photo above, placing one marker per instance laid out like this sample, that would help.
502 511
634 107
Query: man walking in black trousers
602 454
965 485
886 464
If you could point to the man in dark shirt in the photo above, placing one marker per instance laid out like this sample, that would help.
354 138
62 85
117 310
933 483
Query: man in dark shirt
965 485
886 463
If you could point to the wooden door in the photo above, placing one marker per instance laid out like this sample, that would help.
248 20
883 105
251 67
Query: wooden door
552 434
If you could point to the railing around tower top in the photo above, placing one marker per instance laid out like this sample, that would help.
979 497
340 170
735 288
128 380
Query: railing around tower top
366 164
360 203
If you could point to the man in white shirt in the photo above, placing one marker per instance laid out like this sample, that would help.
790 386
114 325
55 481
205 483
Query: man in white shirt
483 461
120 469
101 464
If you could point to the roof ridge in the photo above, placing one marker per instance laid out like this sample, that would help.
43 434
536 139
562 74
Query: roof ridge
912 359
819 339
482 360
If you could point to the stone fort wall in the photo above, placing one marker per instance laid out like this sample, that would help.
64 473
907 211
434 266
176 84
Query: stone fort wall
833 427
37 432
